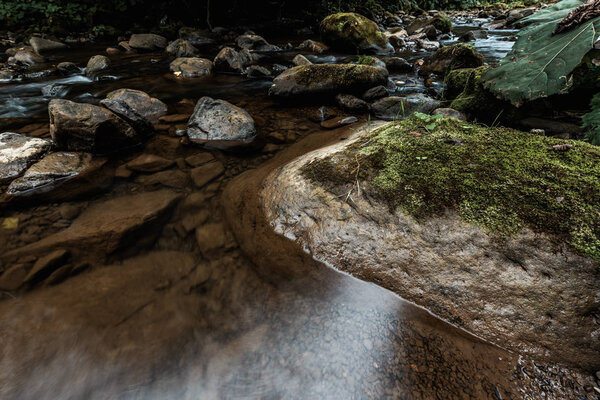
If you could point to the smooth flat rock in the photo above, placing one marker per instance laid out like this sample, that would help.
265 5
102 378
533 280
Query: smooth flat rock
18 152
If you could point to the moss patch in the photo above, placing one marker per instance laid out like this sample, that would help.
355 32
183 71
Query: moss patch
352 32
497 178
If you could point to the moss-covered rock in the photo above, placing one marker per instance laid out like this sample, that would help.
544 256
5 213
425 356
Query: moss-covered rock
441 23
497 178
455 82
354 33
327 79
476 101
455 56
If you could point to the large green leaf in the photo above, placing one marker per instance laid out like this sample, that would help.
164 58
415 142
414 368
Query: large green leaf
540 64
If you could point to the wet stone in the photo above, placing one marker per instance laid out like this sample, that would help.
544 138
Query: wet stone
191 67
199 159
338 122
13 278
149 107
18 152
172 178
46 265
206 173
149 163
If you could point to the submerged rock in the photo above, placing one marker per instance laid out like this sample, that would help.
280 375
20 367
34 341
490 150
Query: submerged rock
257 71
196 37
67 67
60 176
354 33
220 124
150 107
191 67
18 152
131 222
149 163
327 79
85 127
147 42
313 46
96 64
45 45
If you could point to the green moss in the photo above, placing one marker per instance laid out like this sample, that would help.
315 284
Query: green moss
454 56
455 82
442 24
498 178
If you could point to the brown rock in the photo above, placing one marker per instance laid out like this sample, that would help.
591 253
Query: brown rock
13 278
149 163
44 266
206 173
172 178
199 159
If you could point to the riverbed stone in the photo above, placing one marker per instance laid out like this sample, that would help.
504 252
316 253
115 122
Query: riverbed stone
61 176
26 57
147 106
149 163
67 67
137 121
231 60
191 67
220 124
327 79
41 45
196 37
147 41
96 64
131 221
355 33
313 46
86 127
181 48
257 71
18 152
44 266
375 93
301 60
397 108
455 56
450 112
351 103
13 277
204 174
255 43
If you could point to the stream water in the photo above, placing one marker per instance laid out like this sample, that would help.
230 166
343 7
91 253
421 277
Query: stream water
251 318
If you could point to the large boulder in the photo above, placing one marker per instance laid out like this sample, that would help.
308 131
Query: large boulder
61 176
181 48
397 108
231 60
17 152
96 64
439 22
455 56
147 42
191 67
327 79
45 45
149 107
220 124
354 33
90 128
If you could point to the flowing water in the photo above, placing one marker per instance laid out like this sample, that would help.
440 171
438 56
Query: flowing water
253 318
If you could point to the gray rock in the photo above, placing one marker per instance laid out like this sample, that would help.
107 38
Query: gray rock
45 45
375 93
26 57
85 127
257 71
60 176
397 108
18 152
137 121
255 43
230 60
191 67
351 103
147 42
471 36
149 107
96 64
67 68
220 124
327 79
181 48
301 60
313 46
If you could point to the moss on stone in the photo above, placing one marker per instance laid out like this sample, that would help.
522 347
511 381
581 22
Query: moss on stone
498 178
455 82
454 56
352 32
442 24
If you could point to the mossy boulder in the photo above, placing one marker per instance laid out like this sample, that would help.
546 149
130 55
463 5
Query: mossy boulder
455 56
455 82
500 179
354 33
327 79
441 23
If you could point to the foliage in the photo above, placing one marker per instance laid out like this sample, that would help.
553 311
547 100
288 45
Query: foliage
540 64
591 121
500 179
